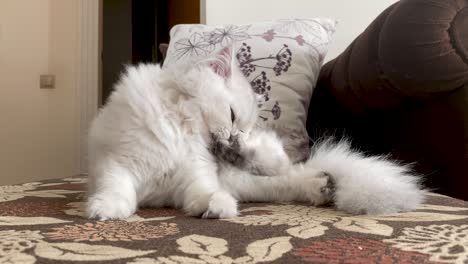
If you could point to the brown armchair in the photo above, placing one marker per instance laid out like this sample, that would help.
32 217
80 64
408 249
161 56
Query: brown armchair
402 87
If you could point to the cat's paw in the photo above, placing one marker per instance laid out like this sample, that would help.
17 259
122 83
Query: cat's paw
318 186
228 150
108 207
221 135
328 191
221 205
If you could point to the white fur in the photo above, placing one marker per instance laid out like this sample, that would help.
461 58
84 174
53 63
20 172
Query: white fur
266 153
150 146
367 184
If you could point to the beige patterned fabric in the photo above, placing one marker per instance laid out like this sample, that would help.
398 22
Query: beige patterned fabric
43 222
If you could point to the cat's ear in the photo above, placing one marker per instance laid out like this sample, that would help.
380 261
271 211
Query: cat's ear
222 62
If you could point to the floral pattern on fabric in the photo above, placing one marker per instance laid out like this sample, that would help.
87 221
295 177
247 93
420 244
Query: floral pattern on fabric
52 229
15 192
202 249
12 241
307 221
357 251
445 243
112 231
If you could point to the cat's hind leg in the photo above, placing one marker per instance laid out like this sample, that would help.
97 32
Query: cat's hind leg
300 184
112 193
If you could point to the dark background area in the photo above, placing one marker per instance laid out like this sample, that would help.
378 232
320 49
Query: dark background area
133 29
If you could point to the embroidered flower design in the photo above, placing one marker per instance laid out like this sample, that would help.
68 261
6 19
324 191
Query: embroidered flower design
261 84
276 111
226 35
112 231
355 250
17 258
15 192
28 208
193 46
304 221
244 57
308 221
283 60
445 243
300 40
12 242
205 249
309 26
269 35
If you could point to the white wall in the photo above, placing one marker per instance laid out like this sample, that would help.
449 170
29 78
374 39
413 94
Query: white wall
353 15
38 127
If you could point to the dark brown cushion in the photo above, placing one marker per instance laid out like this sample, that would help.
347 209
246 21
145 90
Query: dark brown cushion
402 87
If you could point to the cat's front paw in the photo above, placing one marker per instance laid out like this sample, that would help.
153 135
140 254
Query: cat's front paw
108 208
221 205
228 150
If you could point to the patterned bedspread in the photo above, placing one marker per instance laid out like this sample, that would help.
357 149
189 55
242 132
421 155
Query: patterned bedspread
42 222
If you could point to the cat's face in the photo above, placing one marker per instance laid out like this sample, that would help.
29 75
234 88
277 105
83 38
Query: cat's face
230 109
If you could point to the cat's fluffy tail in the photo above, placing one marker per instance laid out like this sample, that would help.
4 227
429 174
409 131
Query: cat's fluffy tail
367 184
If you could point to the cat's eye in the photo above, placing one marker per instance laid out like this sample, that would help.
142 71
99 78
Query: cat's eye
233 116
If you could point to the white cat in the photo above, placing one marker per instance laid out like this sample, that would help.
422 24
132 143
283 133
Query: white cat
185 137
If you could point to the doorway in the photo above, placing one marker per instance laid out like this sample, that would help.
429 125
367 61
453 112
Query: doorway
133 29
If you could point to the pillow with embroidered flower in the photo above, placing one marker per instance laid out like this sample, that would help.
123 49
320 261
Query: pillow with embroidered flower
281 59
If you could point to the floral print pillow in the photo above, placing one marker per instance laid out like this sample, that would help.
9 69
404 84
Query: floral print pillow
281 59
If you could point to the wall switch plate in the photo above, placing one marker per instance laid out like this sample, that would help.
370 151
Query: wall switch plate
47 81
